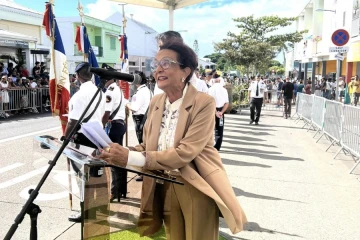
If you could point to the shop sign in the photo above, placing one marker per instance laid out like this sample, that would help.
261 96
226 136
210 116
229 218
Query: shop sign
5 42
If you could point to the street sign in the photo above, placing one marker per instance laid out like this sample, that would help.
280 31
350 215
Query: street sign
340 37
340 57
339 49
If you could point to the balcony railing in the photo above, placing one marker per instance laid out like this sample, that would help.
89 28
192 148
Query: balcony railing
97 50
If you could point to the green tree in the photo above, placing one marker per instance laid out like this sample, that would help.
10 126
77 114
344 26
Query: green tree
264 29
258 42
219 60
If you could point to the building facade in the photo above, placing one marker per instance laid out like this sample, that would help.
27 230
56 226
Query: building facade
21 33
312 57
142 45
103 37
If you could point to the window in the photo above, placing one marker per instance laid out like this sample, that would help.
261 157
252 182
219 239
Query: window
344 18
112 43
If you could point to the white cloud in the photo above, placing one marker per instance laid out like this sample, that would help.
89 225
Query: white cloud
207 24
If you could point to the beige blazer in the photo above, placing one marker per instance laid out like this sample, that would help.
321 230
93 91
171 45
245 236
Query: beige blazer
193 154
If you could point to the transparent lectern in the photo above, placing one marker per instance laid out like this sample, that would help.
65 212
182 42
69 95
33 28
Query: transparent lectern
89 180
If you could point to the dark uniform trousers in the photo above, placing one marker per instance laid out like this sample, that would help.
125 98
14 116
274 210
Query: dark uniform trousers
119 176
139 131
219 130
255 104
96 195
287 108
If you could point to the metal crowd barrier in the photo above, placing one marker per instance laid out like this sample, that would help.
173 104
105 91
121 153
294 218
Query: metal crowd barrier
338 122
318 111
34 100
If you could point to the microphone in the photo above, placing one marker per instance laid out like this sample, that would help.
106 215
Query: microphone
108 75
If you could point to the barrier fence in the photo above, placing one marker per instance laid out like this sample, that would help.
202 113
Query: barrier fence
338 122
33 100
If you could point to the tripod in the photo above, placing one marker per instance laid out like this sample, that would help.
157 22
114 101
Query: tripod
32 209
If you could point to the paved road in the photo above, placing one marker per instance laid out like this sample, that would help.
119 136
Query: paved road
288 186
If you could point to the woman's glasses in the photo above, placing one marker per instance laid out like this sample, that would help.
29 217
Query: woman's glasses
164 63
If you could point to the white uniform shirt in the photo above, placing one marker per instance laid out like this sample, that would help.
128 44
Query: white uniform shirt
199 84
253 86
33 85
220 94
82 98
114 96
141 100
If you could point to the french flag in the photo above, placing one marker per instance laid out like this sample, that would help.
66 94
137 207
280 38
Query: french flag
124 54
59 75
83 43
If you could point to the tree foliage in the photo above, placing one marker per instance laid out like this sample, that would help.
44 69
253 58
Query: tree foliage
258 42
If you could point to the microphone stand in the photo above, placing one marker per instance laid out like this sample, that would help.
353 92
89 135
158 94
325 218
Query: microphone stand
32 209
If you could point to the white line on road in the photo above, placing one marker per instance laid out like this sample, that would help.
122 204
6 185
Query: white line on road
23 177
29 134
10 167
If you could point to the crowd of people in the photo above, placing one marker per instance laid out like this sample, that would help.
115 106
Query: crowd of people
17 78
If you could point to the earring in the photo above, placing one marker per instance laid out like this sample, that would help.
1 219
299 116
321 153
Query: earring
183 79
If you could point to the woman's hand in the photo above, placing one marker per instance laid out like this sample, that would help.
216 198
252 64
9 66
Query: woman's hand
115 155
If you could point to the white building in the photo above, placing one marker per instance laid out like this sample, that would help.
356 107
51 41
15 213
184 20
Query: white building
21 30
322 18
142 45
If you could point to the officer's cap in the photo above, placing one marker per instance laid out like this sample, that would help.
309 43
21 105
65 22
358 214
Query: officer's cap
81 66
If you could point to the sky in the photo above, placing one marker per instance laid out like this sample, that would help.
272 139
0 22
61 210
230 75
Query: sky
207 22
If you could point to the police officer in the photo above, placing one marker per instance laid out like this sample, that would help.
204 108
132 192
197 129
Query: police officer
114 120
221 96
77 105
256 99
139 105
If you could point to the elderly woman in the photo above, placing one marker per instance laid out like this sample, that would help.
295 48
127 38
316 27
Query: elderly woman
178 139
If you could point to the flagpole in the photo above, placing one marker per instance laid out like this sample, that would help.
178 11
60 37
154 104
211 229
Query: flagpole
52 39
80 8
122 60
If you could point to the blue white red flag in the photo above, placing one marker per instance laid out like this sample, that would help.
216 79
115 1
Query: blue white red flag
124 54
59 75
83 43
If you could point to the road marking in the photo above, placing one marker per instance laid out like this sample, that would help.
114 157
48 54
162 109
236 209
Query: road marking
23 177
43 196
29 134
10 167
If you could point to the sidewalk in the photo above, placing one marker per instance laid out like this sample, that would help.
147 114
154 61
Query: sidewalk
289 187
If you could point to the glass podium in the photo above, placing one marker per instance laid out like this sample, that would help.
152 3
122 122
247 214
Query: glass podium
88 179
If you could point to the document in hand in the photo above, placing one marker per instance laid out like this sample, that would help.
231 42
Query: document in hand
96 134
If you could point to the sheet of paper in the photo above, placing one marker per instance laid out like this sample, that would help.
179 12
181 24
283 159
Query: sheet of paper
96 134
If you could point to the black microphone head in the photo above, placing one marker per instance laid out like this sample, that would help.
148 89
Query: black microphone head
137 79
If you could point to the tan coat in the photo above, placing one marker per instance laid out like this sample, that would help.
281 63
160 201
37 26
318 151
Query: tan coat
193 154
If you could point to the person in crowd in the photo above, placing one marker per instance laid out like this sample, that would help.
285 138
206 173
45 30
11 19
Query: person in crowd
114 121
4 86
36 70
209 77
341 88
354 85
77 105
269 87
42 68
279 92
295 91
256 98
139 106
23 71
288 93
308 88
10 69
33 83
220 94
317 88
178 139
3 69
200 84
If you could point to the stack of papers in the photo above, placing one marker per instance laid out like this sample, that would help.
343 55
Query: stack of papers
96 134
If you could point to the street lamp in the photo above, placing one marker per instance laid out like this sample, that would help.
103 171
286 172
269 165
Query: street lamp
325 10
